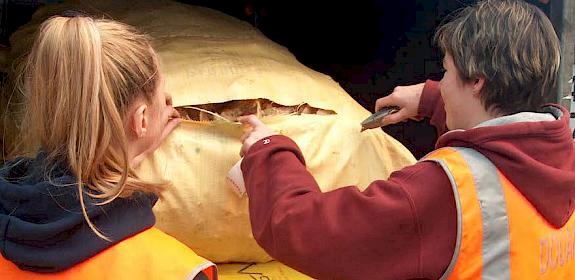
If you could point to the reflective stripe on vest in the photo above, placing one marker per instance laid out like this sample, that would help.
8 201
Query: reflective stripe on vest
150 254
500 235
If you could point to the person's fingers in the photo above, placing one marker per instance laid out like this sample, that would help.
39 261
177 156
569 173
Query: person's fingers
254 130
385 102
395 117
245 136
245 147
170 126
175 113
242 119
250 120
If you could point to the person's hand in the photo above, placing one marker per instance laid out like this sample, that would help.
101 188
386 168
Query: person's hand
173 121
404 97
257 130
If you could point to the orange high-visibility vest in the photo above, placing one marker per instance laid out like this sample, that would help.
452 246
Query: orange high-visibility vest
150 254
500 235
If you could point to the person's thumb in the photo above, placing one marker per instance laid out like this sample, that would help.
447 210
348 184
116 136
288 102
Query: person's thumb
251 120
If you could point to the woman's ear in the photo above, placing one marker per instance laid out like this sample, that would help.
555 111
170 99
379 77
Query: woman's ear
139 121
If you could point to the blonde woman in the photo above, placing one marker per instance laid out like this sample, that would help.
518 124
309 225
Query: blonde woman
76 210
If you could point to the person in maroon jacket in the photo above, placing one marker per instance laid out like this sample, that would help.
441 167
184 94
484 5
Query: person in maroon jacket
501 62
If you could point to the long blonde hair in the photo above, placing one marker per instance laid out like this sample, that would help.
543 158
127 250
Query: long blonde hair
79 79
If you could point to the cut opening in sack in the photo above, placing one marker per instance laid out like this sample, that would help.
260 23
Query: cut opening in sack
231 110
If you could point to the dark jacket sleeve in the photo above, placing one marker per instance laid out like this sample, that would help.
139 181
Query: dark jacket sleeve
431 106
402 228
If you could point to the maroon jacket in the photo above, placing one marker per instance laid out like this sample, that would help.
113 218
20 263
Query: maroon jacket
403 227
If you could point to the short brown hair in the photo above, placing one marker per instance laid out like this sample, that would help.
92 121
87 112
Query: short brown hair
511 44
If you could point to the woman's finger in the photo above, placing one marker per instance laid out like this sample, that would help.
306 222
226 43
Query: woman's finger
251 120
245 136
170 126
395 117
385 102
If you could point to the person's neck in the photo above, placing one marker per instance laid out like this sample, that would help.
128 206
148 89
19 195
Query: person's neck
479 116
135 152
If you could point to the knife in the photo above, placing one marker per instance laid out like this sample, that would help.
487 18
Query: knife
374 121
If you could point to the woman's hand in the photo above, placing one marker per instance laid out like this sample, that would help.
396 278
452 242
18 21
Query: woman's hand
257 130
404 97
173 117
173 121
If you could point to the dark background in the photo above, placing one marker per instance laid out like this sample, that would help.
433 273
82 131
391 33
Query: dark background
368 46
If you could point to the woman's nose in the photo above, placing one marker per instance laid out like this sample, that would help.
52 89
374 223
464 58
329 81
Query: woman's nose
169 101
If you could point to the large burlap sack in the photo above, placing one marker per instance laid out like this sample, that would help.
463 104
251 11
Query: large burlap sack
217 63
